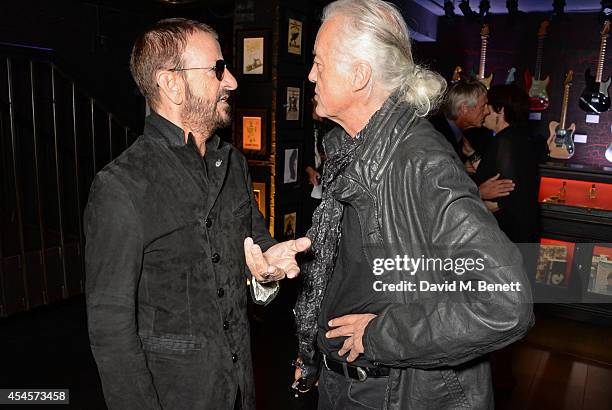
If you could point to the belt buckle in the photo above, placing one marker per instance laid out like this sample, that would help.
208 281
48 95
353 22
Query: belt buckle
361 374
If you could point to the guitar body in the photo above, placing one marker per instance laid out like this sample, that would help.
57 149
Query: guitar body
538 94
596 96
487 80
561 141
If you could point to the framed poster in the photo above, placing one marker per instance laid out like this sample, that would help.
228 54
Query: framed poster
600 275
260 175
289 225
251 131
291 107
290 165
554 264
293 36
253 55
259 191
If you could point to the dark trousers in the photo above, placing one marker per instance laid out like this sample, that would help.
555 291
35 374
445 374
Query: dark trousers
337 392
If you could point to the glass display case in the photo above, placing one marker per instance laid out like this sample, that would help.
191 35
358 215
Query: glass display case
573 273
588 195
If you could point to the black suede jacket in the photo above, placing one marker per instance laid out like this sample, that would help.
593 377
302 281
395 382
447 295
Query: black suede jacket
413 198
166 276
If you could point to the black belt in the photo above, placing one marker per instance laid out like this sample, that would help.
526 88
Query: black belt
354 372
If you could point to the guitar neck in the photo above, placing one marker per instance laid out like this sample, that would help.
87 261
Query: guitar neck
538 66
483 58
602 56
564 107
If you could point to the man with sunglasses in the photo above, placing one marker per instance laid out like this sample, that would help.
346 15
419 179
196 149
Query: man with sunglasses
171 227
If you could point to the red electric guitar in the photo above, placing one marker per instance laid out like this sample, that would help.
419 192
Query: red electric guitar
536 87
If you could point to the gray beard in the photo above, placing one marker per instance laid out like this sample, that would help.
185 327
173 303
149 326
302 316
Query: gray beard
201 116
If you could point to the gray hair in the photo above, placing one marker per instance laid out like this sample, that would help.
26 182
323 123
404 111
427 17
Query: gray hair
463 92
378 34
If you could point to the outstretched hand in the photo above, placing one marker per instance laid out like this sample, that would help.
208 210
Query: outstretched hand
277 262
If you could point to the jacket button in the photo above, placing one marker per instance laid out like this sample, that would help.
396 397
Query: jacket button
208 222
220 292
234 357
226 325
215 257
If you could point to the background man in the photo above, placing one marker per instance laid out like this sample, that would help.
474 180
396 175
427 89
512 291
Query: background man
166 225
464 109
393 186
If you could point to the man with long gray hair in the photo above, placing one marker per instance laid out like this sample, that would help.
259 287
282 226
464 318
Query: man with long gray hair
411 282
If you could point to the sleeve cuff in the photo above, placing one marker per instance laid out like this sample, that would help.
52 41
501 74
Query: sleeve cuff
263 293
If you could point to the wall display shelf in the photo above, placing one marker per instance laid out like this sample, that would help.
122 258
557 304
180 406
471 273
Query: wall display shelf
573 274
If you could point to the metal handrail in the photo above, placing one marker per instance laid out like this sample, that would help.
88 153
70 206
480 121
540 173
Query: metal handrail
29 123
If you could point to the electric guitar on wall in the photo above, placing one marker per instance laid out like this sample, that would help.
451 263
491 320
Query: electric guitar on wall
536 87
561 139
596 97
484 38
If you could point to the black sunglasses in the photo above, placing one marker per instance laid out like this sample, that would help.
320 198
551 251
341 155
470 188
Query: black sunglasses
219 67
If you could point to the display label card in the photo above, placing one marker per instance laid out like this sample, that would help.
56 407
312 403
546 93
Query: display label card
592 118
535 116
581 138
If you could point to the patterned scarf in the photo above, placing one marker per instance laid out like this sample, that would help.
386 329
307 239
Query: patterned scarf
325 235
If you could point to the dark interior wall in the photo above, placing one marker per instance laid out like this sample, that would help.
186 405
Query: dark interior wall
92 40
572 43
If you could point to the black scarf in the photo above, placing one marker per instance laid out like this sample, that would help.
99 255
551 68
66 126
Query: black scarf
325 236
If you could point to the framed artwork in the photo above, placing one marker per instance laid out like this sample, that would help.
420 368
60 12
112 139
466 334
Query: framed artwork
555 260
291 112
290 165
600 275
260 175
253 54
251 131
289 225
259 191
293 36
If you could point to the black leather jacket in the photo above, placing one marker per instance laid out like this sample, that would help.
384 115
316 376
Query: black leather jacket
414 198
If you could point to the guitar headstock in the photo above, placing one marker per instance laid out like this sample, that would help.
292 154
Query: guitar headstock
543 30
569 77
606 29
485 31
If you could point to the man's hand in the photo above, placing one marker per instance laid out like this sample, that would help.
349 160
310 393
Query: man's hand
492 206
352 326
469 168
277 262
313 176
494 187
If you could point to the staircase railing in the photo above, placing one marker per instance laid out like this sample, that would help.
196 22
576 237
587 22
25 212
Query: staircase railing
54 138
